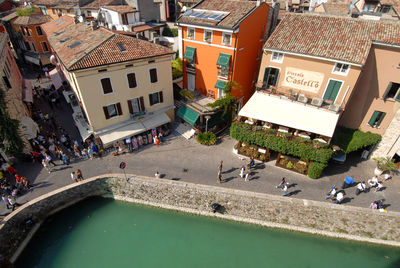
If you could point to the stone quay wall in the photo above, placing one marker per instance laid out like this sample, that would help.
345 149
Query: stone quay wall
315 217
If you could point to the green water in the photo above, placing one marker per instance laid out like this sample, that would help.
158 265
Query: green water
106 233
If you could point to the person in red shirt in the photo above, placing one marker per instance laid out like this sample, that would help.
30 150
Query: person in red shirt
11 170
35 156
18 179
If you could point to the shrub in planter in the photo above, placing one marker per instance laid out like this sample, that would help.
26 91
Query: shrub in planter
289 165
206 138
315 170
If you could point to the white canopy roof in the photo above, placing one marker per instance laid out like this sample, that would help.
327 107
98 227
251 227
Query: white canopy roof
133 129
291 114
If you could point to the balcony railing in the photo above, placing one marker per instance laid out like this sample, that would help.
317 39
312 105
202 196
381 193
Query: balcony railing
299 97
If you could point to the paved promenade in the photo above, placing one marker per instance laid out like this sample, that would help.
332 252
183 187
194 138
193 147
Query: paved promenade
186 160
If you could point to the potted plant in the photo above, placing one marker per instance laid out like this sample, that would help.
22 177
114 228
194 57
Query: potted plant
235 149
383 164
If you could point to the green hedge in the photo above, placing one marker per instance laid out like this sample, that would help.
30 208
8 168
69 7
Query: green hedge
315 170
170 32
206 138
243 132
177 69
350 140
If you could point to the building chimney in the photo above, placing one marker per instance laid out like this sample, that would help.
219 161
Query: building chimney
94 25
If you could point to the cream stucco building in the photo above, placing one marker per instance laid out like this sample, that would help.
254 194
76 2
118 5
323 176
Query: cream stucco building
325 71
122 85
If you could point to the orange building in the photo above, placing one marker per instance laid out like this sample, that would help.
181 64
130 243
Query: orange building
221 42
34 42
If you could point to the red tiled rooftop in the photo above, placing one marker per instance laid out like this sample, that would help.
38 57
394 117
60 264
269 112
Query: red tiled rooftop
80 47
336 8
45 2
32 20
58 24
96 4
121 9
334 37
142 28
237 9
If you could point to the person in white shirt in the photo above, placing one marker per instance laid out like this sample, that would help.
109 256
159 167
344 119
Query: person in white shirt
373 181
360 187
339 198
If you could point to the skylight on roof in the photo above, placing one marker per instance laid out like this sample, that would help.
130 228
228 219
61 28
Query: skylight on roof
65 39
62 22
121 46
57 21
58 33
205 14
75 44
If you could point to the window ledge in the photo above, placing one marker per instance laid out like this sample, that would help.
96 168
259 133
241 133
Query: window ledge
340 73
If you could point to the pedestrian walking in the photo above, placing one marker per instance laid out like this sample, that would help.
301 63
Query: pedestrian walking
219 178
157 141
282 183
128 142
220 166
247 176
157 174
284 190
242 170
49 159
46 165
65 159
79 175
73 177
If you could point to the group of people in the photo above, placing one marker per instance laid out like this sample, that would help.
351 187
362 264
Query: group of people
361 187
11 186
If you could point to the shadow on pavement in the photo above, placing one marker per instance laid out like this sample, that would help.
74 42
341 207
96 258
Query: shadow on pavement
294 193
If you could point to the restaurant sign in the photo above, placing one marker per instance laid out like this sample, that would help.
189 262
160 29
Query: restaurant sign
302 79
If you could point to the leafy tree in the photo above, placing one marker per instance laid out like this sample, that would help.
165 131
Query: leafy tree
227 103
10 139
25 11
177 68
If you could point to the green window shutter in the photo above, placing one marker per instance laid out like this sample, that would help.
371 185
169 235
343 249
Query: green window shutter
189 53
387 90
398 96
332 90
275 80
381 116
266 74
373 118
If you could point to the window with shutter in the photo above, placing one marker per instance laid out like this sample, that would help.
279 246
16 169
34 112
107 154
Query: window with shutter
332 90
392 91
156 98
142 108
161 96
131 80
105 109
106 84
119 108
153 75
39 30
151 99
271 76
376 119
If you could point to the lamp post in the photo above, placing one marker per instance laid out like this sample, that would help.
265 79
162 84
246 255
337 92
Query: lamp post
207 118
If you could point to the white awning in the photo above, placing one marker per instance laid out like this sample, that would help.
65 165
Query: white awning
291 114
55 78
109 138
156 121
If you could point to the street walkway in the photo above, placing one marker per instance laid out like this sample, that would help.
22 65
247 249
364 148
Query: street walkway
186 160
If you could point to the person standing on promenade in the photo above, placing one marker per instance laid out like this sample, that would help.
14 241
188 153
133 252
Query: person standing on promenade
79 175
46 165
242 170
73 177
282 183
219 177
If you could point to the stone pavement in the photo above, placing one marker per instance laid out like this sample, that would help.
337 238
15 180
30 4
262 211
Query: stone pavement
186 160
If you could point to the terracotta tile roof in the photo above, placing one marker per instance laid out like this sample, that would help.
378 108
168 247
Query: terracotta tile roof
96 4
109 52
9 17
121 9
80 47
45 2
336 8
335 37
237 9
57 25
142 28
31 20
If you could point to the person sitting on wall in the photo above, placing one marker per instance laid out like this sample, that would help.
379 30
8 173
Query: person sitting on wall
348 182
251 163
332 193
339 198
361 188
